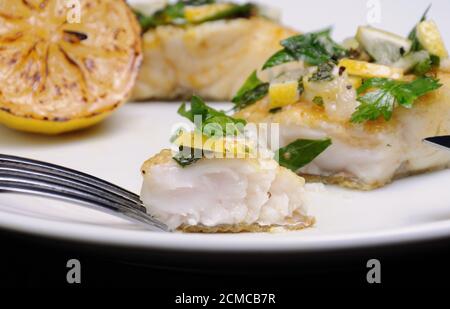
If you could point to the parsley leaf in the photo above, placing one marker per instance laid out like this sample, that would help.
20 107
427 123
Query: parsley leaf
301 152
314 48
252 90
386 93
213 122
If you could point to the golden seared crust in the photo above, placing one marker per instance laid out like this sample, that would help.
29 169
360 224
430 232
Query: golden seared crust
312 116
304 222
430 116
309 115
212 59
353 183
343 181
52 69
163 157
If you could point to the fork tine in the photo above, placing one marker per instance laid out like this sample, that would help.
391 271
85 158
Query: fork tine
28 186
56 180
68 173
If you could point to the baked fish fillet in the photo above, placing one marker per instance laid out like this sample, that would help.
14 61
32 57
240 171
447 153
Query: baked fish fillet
376 100
224 195
210 59
365 156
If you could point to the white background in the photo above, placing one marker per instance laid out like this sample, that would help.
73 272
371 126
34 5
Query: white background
345 15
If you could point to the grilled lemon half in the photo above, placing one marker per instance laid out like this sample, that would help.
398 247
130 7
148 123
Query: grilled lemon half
60 74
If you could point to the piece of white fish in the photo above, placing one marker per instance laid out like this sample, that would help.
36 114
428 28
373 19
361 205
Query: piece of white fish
212 59
364 156
224 195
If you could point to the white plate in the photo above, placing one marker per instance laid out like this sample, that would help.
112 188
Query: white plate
411 209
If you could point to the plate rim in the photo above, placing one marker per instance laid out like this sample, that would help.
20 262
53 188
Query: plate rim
204 243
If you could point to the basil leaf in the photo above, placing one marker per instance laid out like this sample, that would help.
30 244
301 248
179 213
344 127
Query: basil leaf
252 90
282 56
212 121
301 152
385 93
313 48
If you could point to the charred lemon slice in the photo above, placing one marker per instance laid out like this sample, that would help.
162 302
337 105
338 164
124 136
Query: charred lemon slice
59 73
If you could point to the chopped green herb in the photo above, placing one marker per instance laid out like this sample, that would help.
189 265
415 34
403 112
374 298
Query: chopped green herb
252 90
313 48
275 110
198 2
145 21
301 152
173 14
435 60
301 86
385 93
423 67
418 63
324 72
187 156
213 122
318 100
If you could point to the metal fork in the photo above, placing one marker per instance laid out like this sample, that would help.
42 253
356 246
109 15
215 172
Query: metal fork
26 176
